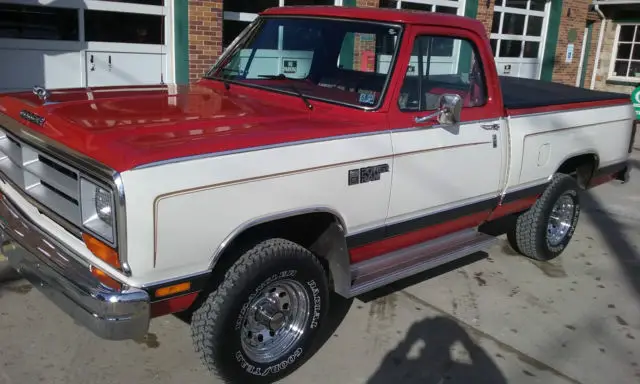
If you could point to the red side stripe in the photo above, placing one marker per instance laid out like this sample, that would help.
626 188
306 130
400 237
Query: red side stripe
382 247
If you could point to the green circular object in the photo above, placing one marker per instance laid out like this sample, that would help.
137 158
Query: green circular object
635 99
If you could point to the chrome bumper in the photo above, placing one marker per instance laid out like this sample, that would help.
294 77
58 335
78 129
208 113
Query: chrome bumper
67 281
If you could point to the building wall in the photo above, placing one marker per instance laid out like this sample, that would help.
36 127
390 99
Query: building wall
485 14
205 35
572 20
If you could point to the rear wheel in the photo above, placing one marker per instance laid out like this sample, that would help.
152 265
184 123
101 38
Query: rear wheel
261 322
544 231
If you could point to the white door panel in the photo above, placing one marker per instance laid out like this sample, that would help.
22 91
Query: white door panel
436 168
115 68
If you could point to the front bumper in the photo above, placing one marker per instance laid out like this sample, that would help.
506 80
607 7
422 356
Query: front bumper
66 280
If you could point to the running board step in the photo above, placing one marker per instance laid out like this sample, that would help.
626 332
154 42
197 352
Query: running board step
382 270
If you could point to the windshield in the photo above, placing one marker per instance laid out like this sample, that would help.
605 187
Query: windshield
340 61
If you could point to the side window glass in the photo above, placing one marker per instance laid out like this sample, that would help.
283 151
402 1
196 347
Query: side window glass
440 65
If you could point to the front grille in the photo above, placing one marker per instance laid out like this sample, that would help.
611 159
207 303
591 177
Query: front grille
51 183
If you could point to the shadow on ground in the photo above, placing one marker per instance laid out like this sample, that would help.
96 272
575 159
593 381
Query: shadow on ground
437 350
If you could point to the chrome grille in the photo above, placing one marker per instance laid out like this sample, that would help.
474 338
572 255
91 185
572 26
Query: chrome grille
51 183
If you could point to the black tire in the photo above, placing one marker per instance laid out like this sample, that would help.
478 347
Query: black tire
530 237
218 325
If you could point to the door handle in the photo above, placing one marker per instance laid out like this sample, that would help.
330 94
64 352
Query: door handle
490 127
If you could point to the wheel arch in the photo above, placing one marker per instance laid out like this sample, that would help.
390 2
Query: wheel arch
582 166
320 229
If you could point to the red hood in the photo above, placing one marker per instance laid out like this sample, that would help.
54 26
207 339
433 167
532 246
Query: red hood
124 127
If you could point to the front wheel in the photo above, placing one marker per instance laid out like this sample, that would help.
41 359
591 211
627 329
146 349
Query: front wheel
544 231
261 322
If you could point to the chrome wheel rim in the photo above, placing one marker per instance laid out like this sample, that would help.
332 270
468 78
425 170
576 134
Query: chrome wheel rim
275 321
560 220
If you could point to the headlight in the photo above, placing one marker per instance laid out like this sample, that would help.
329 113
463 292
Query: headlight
97 209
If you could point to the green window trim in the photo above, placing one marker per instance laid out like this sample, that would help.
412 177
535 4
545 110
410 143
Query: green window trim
551 43
181 45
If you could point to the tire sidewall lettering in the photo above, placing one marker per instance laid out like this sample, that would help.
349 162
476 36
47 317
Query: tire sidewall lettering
317 304
271 369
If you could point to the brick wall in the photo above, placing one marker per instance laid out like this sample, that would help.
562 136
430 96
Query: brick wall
563 72
362 46
205 35
485 14
595 34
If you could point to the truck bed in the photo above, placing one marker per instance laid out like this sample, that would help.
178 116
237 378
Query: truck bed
521 93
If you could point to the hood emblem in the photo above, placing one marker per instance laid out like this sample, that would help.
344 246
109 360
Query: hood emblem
32 117
41 92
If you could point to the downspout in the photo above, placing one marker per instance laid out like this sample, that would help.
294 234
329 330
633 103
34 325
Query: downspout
603 22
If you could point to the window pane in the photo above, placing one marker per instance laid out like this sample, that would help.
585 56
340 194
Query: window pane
534 26
620 68
626 33
531 49
635 55
33 22
449 10
306 2
634 69
147 2
516 4
494 45
231 29
249 6
458 74
510 48
637 39
513 24
388 4
537 5
132 27
495 25
624 51
416 6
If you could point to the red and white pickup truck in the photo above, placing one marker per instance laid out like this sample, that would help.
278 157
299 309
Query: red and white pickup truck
329 149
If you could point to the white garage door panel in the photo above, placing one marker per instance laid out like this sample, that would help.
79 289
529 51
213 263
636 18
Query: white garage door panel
22 69
115 68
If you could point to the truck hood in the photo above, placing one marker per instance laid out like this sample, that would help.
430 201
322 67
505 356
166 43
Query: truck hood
125 127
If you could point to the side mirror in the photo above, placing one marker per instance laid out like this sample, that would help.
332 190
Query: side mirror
449 110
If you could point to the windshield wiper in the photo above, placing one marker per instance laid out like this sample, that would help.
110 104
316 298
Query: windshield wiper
224 80
293 87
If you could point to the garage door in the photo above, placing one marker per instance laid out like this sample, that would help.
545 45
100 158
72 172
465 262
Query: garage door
518 33
78 43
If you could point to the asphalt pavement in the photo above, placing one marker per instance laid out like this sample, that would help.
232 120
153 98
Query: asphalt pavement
492 318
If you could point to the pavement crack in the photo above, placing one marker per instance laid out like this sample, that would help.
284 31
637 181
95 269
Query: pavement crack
506 347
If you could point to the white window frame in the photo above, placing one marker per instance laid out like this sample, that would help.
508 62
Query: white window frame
82 46
541 40
614 55
459 4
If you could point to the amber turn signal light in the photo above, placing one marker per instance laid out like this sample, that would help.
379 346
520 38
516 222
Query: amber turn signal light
106 279
103 251
173 289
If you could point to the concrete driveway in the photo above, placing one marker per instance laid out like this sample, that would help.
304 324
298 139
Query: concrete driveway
496 318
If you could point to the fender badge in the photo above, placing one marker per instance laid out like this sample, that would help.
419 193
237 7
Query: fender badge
32 117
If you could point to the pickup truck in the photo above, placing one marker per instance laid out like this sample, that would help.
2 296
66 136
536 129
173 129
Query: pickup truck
328 152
